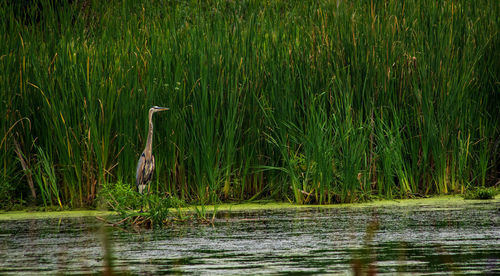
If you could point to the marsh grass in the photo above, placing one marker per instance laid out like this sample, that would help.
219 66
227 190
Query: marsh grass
311 101
481 193
155 210
45 177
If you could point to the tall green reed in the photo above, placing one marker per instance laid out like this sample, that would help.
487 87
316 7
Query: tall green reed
45 176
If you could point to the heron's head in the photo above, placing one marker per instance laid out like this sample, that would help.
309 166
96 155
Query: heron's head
157 109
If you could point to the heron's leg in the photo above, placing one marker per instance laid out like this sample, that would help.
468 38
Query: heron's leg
142 203
143 191
148 194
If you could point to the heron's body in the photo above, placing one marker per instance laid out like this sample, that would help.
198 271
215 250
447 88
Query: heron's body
145 169
146 164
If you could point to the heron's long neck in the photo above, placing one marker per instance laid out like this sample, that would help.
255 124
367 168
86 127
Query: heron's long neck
149 142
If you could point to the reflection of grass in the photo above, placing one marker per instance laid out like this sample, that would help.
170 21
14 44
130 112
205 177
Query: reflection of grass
204 215
109 267
363 261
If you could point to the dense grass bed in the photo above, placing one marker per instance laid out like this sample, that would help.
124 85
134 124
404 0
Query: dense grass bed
307 101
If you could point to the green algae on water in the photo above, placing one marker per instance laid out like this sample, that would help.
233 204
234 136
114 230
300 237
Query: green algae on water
439 201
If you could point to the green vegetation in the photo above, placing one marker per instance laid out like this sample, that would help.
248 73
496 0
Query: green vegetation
481 193
122 199
119 196
305 101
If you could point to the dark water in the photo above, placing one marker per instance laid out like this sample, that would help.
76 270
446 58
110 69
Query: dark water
394 240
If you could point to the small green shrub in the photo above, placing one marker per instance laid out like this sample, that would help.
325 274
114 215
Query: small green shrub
119 196
158 207
122 198
481 193
6 194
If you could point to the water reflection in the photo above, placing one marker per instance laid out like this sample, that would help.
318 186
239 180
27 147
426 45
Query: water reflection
418 239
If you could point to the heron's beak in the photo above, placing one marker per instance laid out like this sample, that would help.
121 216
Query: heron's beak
161 108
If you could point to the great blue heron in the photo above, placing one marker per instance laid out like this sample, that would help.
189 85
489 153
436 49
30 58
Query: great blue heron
146 164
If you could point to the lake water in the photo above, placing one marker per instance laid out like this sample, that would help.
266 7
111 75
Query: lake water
419 239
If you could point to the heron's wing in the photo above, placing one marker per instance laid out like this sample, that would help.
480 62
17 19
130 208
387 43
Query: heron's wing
139 174
149 166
